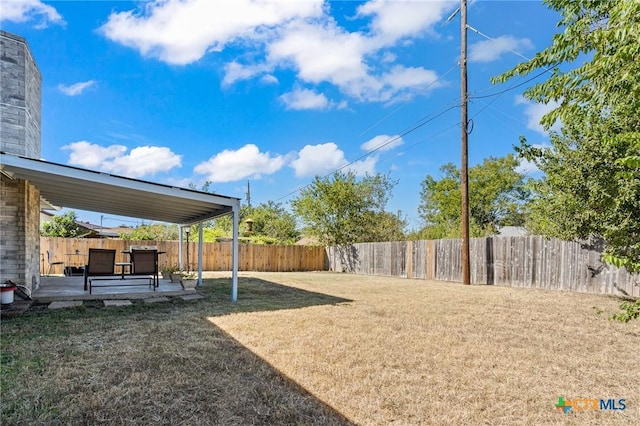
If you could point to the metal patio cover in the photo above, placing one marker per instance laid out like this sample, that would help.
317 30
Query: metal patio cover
76 188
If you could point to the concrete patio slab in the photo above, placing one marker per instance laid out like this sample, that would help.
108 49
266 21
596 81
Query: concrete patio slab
65 304
119 302
60 288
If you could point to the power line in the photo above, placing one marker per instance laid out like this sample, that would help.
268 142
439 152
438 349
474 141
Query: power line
430 117
514 86
413 145
508 89
383 119
488 105
492 39
422 122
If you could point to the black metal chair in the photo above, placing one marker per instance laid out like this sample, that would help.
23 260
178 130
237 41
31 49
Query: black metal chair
101 263
145 262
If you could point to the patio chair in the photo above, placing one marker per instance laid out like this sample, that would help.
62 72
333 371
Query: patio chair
101 263
145 262
51 262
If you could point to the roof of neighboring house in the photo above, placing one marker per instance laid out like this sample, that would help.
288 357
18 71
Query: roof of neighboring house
512 231
84 189
99 231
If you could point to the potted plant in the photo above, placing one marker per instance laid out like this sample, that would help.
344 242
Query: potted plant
189 280
171 272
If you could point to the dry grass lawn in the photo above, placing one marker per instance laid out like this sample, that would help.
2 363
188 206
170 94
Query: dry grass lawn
323 348
416 352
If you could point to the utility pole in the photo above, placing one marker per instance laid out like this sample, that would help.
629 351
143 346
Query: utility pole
464 166
248 194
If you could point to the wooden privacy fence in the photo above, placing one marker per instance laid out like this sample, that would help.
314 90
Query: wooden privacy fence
215 256
522 261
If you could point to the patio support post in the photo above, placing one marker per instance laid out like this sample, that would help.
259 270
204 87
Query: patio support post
200 238
180 248
234 266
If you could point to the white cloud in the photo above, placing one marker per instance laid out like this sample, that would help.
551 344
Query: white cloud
491 50
76 88
145 161
390 141
297 35
141 161
183 31
303 99
363 167
89 155
388 57
393 20
401 77
403 82
321 52
327 53
245 162
535 112
269 79
27 10
235 71
318 160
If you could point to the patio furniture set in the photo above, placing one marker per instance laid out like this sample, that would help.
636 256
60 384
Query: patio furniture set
100 269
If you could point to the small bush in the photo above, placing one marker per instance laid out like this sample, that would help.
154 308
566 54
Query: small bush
630 310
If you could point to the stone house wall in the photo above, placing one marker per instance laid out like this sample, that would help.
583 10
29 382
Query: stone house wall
20 104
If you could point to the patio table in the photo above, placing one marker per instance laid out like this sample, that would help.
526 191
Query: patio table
75 264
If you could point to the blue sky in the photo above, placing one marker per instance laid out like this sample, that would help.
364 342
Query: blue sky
274 93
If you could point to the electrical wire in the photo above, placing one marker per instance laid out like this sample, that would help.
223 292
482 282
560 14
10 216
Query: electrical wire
383 119
430 117
510 88
422 122
492 39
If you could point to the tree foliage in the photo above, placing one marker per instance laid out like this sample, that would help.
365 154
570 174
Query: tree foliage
271 220
63 225
591 183
342 209
156 232
272 224
497 196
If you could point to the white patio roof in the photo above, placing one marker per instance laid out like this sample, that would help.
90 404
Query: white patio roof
83 189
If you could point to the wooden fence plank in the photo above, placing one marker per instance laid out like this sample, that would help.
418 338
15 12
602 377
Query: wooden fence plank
529 261
215 256
523 261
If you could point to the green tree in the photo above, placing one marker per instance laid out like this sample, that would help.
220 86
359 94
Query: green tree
497 197
157 232
271 220
272 224
63 225
342 209
387 227
591 183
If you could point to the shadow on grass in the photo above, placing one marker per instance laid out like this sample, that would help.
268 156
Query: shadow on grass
158 363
